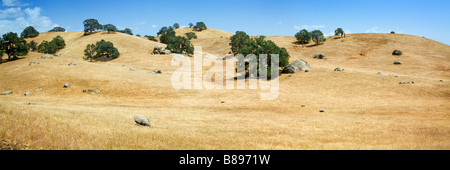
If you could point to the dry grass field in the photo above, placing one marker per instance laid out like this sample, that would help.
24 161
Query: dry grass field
362 110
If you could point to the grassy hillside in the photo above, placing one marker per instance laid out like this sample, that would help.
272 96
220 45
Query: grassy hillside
362 110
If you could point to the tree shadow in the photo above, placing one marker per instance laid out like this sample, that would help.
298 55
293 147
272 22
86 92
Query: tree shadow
10 60
313 45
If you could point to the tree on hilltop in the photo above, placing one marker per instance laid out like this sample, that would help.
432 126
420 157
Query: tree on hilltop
200 26
58 29
29 32
91 25
339 31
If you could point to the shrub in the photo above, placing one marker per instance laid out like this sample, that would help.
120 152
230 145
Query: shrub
191 35
29 32
47 47
59 42
151 38
53 46
190 25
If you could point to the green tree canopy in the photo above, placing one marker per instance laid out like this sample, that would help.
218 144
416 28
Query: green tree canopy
106 49
191 35
29 32
58 29
13 46
91 25
303 36
200 26
238 40
260 45
317 36
110 28
339 31
89 52
176 25
126 31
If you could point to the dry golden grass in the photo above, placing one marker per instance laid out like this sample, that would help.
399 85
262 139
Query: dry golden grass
363 110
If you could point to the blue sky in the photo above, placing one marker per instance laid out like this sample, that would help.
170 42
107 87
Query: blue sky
429 18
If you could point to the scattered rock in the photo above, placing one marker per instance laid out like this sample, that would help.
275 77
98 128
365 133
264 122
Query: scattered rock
67 85
28 93
161 50
32 63
320 56
396 76
303 106
124 65
72 64
321 110
441 80
156 72
337 69
141 120
166 52
404 82
39 62
30 103
91 91
381 73
397 52
44 57
39 89
222 102
133 69
296 66
8 92
397 62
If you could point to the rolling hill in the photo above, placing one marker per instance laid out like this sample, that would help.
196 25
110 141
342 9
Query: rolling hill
362 110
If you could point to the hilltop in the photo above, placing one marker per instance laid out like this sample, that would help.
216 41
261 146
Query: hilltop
362 110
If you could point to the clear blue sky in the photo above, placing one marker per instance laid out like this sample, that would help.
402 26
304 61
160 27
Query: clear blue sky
429 18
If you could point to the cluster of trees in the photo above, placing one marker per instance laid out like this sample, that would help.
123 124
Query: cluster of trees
101 49
304 37
176 44
49 47
91 25
13 46
241 43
